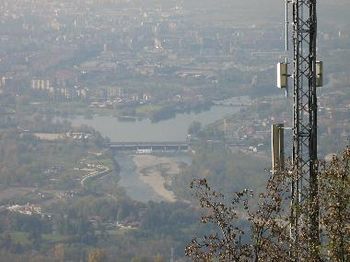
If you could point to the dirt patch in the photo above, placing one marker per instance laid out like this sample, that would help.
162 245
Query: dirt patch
153 171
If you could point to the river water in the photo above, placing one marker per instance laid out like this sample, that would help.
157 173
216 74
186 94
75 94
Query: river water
131 182
174 129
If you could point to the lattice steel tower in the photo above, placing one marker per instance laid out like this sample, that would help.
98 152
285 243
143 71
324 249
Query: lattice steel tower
305 185
307 75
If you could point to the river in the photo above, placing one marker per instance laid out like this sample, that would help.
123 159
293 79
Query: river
144 130
174 129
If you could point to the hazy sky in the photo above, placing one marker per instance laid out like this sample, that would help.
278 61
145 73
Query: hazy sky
270 10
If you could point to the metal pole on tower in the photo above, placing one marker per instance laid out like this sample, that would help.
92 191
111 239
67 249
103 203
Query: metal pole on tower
304 184
307 76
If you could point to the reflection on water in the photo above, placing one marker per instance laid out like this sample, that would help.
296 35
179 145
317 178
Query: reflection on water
174 129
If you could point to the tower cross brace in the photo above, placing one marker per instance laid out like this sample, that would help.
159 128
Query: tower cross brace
304 183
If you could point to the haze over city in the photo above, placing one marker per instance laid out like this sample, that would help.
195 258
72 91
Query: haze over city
117 116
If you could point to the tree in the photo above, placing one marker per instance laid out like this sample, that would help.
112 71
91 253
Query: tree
224 243
245 231
97 255
159 258
194 128
6 241
335 207
58 252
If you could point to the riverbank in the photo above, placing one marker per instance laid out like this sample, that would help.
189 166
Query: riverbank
174 129
154 170
94 174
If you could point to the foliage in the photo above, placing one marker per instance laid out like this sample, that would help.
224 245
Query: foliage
167 218
97 255
223 169
194 128
335 207
268 238
224 244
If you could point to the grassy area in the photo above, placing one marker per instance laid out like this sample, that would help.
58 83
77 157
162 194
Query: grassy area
54 237
19 237
147 109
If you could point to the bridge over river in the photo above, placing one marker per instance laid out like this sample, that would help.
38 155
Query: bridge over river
148 147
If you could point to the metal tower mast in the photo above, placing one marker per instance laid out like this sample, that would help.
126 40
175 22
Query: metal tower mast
307 76
304 184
